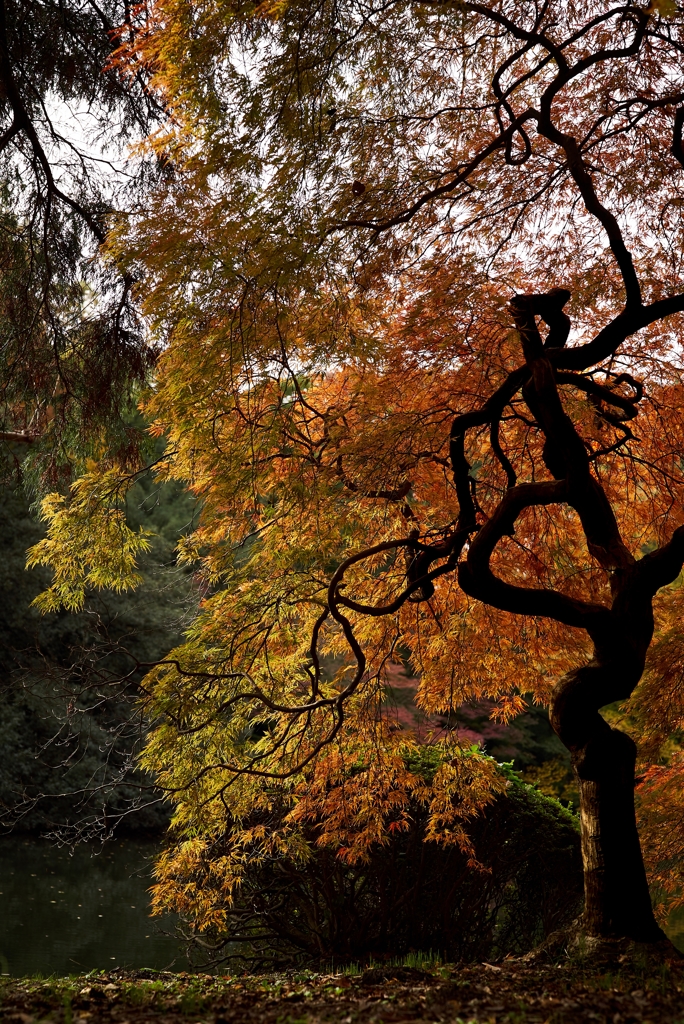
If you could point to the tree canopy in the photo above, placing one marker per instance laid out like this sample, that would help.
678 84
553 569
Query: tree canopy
416 272
72 345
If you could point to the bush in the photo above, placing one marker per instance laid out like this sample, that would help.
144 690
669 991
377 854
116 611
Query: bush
415 895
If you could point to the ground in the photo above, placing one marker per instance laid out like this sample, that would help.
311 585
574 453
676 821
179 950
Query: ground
513 992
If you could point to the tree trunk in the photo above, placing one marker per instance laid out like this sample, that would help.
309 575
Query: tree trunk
617 900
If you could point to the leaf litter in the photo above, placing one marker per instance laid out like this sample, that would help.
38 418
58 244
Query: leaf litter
512 992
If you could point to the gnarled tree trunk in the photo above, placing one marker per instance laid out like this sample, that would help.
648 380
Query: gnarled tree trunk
620 625
617 899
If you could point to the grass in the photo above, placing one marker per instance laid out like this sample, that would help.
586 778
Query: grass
417 959
512 992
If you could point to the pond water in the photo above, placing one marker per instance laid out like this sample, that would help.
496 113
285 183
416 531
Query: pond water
66 913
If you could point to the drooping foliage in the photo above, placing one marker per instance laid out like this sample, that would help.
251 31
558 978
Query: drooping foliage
417 273
299 902
73 349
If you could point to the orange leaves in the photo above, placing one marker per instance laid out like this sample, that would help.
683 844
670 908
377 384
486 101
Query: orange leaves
322 339
357 797
660 808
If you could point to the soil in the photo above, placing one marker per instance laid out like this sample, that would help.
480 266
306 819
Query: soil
512 992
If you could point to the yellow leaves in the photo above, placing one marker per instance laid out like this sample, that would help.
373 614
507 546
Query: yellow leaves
88 543
195 884
188 549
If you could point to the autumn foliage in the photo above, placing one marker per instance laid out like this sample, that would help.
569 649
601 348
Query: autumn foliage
421 367
301 902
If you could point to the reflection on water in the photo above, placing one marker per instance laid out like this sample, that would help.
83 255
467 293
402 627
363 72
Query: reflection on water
65 914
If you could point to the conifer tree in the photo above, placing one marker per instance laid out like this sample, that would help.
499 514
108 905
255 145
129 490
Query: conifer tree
71 341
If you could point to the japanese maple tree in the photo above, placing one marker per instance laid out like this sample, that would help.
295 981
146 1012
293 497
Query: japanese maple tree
417 268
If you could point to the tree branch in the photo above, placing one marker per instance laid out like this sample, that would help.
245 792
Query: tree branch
662 566
564 451
609 339
599 391
677 149
18 436
476 578
461 175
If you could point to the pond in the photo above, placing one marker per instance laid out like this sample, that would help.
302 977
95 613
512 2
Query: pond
66 913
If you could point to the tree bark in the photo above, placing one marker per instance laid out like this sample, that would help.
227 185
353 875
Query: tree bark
617 899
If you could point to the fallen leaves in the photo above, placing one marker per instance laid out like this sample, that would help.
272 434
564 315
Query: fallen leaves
508 993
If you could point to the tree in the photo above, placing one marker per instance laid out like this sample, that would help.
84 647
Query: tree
73 350
71 720
417 272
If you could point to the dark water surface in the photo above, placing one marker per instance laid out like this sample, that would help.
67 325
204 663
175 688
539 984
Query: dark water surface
63 913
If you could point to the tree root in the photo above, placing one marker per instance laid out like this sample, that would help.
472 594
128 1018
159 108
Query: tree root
574 944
